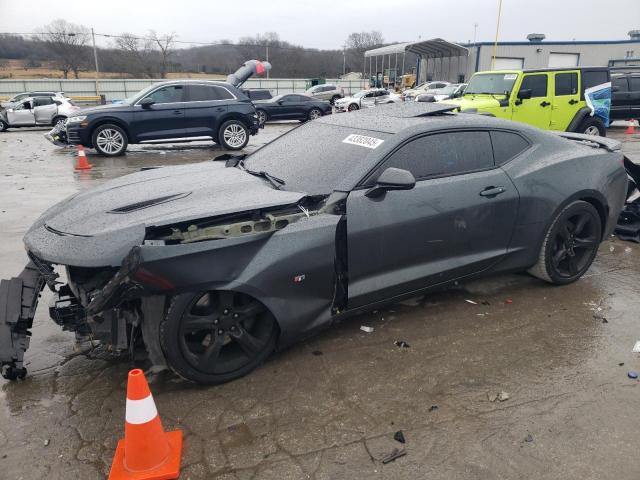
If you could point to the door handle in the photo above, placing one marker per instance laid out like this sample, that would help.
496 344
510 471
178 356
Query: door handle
573 101
220 109
545 104
177 112
492 191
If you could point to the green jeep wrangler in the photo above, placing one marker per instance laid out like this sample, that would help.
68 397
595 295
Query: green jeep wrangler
551 99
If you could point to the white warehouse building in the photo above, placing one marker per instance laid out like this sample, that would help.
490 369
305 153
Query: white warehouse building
443 60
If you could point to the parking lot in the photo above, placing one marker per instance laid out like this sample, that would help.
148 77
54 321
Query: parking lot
328 408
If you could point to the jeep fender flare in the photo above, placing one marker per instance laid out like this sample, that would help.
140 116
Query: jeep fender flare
578 118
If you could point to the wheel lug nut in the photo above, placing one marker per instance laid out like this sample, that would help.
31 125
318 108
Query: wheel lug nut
220 332
226 311
235 315
215 321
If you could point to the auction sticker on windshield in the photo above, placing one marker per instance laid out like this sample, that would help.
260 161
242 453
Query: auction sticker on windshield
363 141
511 76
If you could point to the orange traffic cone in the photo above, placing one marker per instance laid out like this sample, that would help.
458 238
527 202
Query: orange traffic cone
631 128
147 451
83 163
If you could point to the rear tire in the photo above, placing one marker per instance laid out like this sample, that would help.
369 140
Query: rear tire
109 140
570 245
592 126
314 113
216 336
233 135
333 99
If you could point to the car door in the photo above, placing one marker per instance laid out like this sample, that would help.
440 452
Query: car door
204 108
565 99
369 99
536 110
620 98
289 107
634 96
44 109
21 114
456 221
163 119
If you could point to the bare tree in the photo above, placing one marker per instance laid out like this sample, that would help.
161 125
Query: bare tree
67 42
165 44
138 56
364 40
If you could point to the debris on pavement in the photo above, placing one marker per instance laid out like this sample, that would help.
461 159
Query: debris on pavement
501 396
636 347
633 375
399 436
528 438
395 454
601 318
471 302
401 344
433 407
316 353
47 442
364 328
621 364
508 301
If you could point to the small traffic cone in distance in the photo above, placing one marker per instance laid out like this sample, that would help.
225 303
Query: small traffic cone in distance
147 451
631 128
83 163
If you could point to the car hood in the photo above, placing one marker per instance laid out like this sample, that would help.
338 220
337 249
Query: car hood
162 196
114 107
478 102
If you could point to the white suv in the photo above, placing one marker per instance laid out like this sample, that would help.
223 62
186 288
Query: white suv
326 92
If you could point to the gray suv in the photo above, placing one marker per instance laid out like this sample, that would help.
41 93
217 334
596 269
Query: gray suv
326 92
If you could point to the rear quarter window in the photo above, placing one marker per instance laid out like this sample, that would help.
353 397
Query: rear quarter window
507 145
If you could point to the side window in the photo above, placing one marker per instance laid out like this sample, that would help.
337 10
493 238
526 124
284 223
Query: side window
304 98
443 154
203 93
634 84
566 84
507 145
593 78
621 83
536 83
169 94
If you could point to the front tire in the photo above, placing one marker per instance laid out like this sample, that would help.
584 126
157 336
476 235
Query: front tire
3 125
570 245
217 336
262 117
109 140
233 135
352 107
592 126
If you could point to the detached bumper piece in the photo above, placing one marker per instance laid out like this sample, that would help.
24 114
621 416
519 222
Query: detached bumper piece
628 227
18 303
58 136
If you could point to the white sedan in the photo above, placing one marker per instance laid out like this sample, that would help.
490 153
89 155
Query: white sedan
366 99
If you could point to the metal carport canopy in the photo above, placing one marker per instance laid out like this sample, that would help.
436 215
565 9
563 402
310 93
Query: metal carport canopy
434 48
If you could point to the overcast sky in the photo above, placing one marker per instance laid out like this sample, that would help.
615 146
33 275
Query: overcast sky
326 23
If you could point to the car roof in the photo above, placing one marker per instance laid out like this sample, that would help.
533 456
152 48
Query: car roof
397 117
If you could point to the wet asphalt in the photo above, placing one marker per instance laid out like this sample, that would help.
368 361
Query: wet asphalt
328 408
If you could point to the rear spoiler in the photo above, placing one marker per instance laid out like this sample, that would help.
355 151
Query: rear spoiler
594 140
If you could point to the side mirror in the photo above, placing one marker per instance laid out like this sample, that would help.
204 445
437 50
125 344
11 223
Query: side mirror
524 94
392 179
146 102
615 88
280 102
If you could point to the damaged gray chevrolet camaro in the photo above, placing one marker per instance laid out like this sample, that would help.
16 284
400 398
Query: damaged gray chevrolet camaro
214 265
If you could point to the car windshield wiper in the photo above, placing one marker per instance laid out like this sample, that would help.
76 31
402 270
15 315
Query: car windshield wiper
275 181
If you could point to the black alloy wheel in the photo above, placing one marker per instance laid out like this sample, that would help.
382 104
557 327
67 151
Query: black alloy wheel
217 336
571 244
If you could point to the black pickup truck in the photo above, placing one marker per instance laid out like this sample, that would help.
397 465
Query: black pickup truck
625 101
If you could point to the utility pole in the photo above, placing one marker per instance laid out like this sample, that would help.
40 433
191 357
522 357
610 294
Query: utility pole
95 59
475 31
495 43
267 59
344 61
